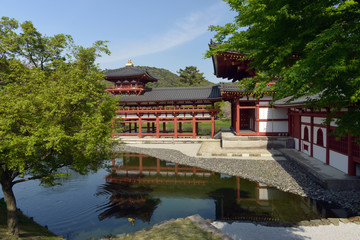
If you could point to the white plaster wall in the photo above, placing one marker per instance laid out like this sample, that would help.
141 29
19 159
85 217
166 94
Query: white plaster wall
315 135
332 123
339 161
318 120
296 143
273 113
305 119
263 113
263 194
302 147
272 126
319 153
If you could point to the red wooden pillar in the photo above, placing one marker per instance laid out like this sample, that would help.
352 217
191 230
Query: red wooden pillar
157 126
312 136
351 163
175 126
327 144
212 126
257 117
237 117
193 126
140 127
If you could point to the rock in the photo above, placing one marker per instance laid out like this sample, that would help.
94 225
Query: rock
315 222
344 220
334 221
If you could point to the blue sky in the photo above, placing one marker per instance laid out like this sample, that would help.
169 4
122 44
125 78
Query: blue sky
170 34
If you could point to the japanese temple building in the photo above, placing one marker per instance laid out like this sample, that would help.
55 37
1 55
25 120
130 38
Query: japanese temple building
148 111
157 107
306 126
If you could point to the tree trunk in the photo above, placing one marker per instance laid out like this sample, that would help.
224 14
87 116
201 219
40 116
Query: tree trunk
12 220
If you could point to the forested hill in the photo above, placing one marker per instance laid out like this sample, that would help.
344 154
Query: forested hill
170 79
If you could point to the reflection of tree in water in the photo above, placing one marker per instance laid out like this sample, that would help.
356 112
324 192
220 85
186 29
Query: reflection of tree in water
127 201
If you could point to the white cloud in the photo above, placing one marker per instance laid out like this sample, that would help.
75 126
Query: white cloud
188 29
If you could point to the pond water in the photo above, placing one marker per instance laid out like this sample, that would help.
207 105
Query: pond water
151 191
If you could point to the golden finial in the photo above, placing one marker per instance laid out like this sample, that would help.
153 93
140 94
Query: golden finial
129 63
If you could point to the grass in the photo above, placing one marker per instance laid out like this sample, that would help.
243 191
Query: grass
29 229
177 230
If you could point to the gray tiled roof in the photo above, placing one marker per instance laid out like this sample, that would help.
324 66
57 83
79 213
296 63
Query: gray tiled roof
174 93
233 87
127 71
230 87
284 102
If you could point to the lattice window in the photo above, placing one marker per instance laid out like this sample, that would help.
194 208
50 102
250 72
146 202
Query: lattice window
306 134
338 144
319 137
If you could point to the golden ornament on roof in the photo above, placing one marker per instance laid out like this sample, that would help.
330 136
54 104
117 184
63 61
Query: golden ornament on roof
129 63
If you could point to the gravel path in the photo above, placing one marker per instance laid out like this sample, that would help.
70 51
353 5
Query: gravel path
284 175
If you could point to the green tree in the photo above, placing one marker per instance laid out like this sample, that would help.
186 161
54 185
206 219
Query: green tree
191 76
312 46
54 112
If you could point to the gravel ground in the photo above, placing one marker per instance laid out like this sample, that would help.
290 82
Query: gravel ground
284 175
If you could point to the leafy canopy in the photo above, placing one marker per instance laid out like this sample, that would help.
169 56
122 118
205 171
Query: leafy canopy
53 108
191 76
312 46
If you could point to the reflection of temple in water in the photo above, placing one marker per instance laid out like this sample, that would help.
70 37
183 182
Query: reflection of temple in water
138 182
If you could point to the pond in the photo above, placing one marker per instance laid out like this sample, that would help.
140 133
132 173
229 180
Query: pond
151 191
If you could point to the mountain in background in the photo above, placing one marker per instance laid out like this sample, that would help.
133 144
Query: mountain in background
170 79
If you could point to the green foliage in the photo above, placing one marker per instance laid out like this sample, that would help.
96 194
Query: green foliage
169 79
313 46
54 111
191 76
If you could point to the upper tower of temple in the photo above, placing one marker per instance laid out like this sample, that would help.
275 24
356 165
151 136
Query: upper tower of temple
128 80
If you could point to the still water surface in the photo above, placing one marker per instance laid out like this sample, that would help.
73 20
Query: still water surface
151 191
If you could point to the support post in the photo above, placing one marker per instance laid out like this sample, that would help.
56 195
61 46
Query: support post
237 116
327 143
212 126
140 127
312 136
193 126
175 126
